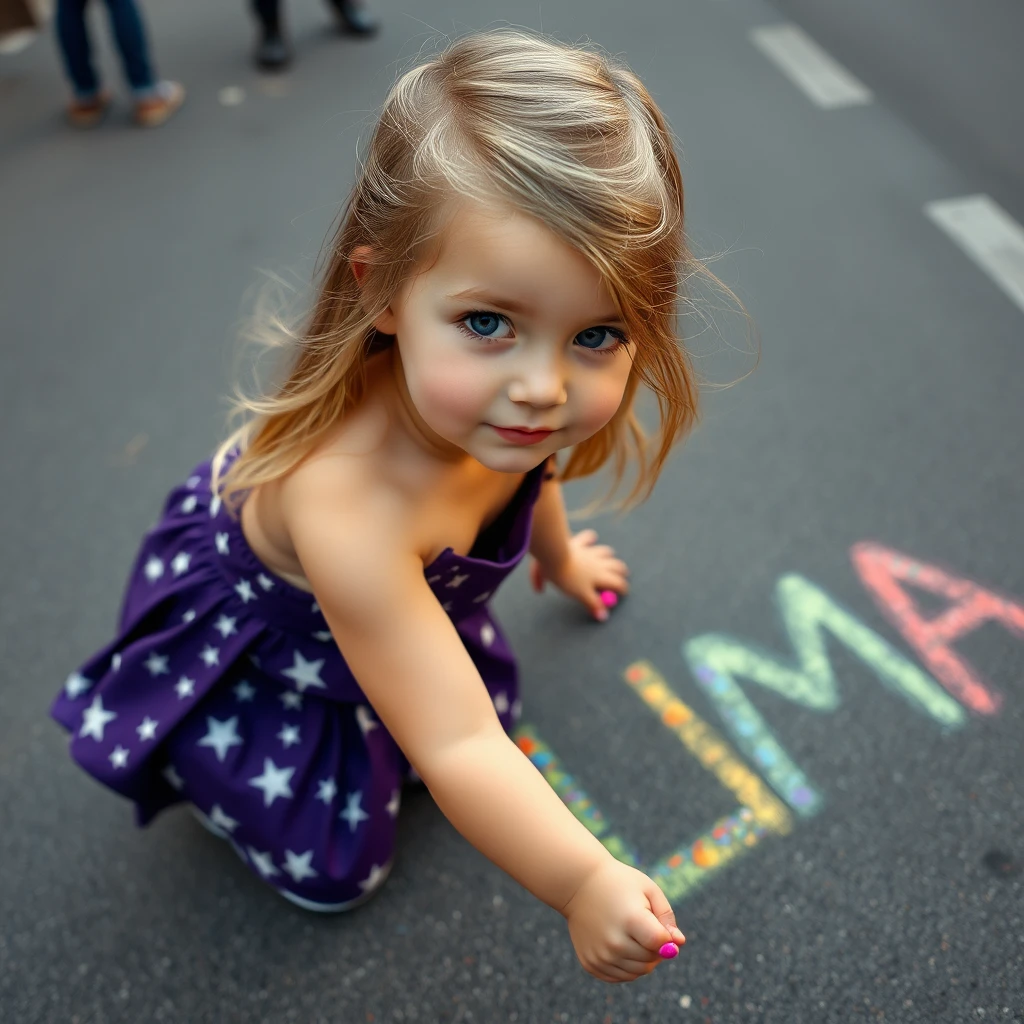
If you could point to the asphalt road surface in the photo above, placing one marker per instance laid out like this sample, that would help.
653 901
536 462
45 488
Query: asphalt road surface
828 582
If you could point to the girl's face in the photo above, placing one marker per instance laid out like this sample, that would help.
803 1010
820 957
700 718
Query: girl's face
510 345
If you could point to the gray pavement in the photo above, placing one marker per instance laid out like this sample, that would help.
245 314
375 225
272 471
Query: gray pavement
886 408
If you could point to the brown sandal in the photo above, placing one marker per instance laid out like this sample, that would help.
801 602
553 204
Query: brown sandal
88 113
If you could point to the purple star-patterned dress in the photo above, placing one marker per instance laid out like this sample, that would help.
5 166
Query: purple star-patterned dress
224 688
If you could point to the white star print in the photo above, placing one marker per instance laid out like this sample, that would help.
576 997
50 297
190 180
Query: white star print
221 820
291 700
501 702
188 616
225 625
179 563
76 685
480 598
157 664
214 506
119 757
210 656
315 608
154 569
457 580
192 482
263 863
170 773
185 687
274 782
517 709
487 634
115 662
328 790
221 540
305 673
243 588
245 691
298 865
353 813
447 606
367 723
376 876
189 504
433 579
221 736
323 635
147 730
265 581
95 719
394 803
289 735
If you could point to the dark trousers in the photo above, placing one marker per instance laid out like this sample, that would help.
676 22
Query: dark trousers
73 36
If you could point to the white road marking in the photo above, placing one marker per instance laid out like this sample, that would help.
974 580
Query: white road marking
808 66
989 235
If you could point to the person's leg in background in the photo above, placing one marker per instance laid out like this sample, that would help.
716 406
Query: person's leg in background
272 51
155 100
89 102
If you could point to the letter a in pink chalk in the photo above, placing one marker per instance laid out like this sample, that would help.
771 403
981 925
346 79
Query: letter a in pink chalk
882 571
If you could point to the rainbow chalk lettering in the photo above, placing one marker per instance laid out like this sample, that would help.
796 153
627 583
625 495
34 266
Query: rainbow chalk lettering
882 571
718 661
683 870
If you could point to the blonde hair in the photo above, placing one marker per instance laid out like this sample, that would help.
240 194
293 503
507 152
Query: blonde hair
558 132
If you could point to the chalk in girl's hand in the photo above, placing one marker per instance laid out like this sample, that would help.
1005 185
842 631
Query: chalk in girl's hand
669 950
609 598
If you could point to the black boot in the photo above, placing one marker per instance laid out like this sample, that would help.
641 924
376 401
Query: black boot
354 17
272 52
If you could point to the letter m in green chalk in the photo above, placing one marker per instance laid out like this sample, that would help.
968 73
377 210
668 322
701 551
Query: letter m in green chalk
719 662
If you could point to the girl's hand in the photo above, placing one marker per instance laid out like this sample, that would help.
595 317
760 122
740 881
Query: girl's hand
588 569
618 920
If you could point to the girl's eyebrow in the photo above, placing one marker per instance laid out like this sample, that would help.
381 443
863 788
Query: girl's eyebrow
512 306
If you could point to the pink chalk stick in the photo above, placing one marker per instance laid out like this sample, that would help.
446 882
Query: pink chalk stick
669 950
609 598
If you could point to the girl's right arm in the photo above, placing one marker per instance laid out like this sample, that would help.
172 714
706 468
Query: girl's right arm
411 664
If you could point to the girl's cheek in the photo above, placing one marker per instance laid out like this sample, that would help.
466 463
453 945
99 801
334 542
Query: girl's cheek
602 403
452 391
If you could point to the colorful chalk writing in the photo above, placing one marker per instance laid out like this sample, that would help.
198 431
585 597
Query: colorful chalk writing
688 867
882 571
718 660
759 813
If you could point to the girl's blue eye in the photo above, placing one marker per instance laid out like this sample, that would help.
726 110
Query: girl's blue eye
484 324
593 338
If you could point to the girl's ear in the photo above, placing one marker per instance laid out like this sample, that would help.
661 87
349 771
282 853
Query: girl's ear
360 260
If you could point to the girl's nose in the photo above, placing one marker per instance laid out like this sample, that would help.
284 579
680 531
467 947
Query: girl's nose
542 386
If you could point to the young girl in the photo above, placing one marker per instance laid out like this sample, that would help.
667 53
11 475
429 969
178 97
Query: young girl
308 625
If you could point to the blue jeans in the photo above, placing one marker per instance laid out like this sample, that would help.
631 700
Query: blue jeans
131 41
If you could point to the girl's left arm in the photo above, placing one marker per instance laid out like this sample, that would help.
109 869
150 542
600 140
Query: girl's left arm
579 566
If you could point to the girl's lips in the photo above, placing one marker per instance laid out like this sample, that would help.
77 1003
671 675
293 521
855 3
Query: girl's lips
523 437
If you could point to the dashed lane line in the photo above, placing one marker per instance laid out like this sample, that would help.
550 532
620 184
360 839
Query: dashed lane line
988 235
825 81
